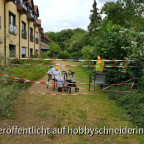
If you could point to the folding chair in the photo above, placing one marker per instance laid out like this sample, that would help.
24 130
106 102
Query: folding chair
50 78
98 80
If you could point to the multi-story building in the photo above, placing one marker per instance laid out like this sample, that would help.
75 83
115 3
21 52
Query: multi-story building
21 34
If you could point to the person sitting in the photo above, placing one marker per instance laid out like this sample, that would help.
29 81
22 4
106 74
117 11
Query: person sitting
99 65
55 72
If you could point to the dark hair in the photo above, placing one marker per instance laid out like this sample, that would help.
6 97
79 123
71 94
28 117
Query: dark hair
100 55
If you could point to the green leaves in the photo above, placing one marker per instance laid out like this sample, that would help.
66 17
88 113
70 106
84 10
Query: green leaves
127 13
67 43
94 17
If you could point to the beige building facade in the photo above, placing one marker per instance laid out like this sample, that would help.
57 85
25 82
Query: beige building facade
21 33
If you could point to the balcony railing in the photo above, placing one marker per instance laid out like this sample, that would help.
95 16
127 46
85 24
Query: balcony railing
36 40
13 29
24 34
44 41
30 16
21 6
31 38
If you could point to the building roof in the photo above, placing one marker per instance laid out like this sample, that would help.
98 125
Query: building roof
29 1
36 10
47 37
39 21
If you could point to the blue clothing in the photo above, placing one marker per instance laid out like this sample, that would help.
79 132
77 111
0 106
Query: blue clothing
57 76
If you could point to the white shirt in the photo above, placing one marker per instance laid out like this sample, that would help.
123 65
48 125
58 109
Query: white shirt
57 73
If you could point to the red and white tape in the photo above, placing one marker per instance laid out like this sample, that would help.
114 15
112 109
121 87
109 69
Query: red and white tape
47 83
24 80
117 91
31 81
81 89
58 94
90 92
52 83
72 65
37 59
75 94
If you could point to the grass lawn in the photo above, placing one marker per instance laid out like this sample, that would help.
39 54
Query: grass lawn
92 111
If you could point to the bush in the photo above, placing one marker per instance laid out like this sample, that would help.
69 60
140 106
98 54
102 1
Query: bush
10 90
133 103
55 49
63 55
7 95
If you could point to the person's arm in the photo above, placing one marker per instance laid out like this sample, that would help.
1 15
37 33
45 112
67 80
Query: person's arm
50 72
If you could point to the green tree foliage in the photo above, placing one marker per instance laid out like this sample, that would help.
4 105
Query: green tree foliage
127 13
63 37
114 42
63 55
94 17
114 12
67 43
87 52
120 36
55 49
52 35
75 48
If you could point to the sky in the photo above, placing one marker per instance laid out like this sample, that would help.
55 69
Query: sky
57 15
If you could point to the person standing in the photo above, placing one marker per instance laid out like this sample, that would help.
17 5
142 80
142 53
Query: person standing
99 64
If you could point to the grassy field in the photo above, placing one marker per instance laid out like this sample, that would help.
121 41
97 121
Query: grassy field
92 111
9 90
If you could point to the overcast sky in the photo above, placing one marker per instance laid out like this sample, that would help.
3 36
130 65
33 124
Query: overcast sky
63 14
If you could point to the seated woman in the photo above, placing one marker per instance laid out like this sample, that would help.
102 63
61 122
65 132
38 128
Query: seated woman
55 72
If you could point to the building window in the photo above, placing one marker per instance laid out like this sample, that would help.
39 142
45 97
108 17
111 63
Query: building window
31 52
12 18
23 52
24 33
31 34
12 24
36 52
12 50
36 37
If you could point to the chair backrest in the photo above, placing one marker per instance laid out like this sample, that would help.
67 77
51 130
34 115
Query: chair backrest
100 78
49 75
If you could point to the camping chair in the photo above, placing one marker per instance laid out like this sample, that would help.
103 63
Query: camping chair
50 78
98 80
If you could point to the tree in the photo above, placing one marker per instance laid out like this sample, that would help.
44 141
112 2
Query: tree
127 13
114 12
135 9
64 36
94 17
55 49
